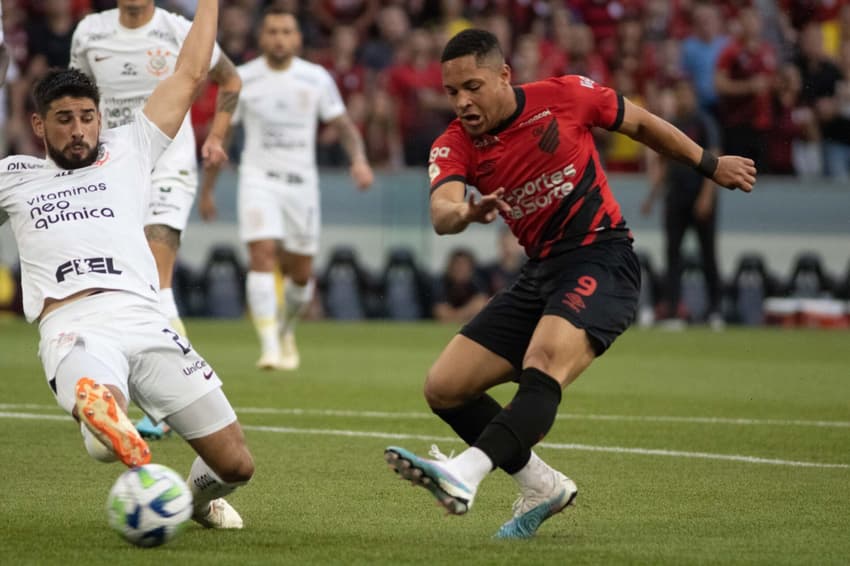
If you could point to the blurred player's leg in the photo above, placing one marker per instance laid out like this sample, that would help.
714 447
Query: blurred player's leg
223 463
164 242
299 287
262 300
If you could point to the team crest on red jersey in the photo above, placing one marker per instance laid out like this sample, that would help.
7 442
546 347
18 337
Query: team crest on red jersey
549 138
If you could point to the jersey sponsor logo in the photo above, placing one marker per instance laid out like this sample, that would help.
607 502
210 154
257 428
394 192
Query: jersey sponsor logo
439 153
64 173
104 265
586 82
535 118
540 192
549 138
192 368
23 165
158 62
99 36
484 141
166 36
54 208
129 70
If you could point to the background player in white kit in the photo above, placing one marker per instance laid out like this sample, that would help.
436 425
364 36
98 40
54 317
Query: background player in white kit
128 51
90 280
282 101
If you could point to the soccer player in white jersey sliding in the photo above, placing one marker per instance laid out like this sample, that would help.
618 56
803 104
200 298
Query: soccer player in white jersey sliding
128 51
90 281
283 99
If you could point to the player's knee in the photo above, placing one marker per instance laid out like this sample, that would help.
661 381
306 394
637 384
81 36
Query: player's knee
442 393
542 358
239 468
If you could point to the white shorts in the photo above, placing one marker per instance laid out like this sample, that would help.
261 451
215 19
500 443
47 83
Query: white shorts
281 207
171 201
148 361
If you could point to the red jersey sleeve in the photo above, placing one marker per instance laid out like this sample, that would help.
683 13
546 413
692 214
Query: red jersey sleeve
450 158
591 103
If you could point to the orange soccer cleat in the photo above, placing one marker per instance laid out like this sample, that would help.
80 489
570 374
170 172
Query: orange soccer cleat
97 409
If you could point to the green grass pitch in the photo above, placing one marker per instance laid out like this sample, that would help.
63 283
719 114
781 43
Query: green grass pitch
688 448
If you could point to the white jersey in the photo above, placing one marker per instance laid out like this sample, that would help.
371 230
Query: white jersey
127 65
79 229
280 111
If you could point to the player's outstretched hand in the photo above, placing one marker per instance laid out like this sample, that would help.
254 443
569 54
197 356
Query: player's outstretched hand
486 209
213 152
207 207
362 175
735 172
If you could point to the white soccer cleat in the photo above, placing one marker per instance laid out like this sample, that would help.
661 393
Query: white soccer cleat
269 362
220 516
449 491
289 357
535 506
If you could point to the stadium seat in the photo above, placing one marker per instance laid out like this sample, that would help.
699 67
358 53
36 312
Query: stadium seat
808 278
345 286
749 288
406 289
224 283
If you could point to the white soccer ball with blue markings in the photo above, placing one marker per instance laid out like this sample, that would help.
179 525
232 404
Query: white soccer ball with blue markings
149 505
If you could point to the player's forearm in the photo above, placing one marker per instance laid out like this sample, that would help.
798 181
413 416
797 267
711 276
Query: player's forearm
663 137
448 217
194 59
225 75
350 138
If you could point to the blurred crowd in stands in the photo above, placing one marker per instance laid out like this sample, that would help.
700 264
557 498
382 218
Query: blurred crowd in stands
775 74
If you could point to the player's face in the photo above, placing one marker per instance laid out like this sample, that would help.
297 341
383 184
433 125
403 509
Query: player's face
479 95
70 130
134 6
280 37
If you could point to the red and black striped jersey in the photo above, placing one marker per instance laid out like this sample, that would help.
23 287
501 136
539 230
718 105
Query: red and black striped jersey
544 156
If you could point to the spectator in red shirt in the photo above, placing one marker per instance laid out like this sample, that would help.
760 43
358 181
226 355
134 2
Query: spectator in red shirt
584 59
794 143
416 84
745 78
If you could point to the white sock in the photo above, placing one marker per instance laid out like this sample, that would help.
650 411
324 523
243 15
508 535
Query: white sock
96 449
206 486
472 465
529 477
262 300
169 309
297 299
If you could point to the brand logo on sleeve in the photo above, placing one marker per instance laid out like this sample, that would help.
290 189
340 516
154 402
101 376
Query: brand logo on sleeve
85 266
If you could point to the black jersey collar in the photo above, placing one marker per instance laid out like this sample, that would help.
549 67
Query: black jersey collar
520 106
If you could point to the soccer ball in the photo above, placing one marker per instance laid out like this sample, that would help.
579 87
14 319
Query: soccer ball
149 505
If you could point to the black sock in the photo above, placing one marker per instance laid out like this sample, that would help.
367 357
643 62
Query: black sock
524 421
469 421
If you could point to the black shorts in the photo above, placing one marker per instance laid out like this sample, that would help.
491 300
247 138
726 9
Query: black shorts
594 287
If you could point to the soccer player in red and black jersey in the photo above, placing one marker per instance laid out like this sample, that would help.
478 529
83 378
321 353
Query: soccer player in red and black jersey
529 151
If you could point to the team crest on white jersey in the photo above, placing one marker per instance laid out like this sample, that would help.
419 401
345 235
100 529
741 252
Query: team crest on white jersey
158 63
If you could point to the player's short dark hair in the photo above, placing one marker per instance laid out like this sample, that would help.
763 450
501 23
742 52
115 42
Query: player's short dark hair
63 82
277 10
477 42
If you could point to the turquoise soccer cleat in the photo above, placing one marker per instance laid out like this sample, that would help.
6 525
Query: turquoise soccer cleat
147 429
534 507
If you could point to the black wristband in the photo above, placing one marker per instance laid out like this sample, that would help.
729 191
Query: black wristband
707 164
